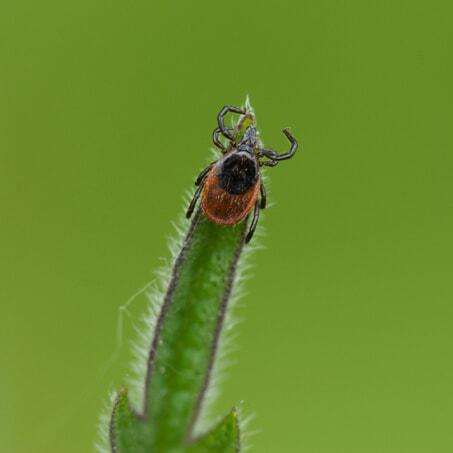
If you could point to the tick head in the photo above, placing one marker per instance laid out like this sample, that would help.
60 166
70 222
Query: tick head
249 140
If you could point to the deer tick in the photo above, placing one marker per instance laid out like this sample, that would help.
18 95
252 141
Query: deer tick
231 186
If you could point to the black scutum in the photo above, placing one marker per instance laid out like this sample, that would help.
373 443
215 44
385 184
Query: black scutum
238 173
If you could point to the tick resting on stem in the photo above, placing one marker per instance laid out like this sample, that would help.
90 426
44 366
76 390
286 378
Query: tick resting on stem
231 186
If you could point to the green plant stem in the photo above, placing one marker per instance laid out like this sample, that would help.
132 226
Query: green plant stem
184 346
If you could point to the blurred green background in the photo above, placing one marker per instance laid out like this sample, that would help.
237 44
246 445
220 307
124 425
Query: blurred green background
106 113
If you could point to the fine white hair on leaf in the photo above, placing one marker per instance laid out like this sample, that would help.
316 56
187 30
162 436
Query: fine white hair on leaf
145 331
102 444
246 419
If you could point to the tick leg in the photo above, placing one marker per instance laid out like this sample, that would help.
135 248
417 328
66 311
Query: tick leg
274 156
268 163
221 119
256 216
203 173
194 201
200 183
270 154
216 140
293 148
263 200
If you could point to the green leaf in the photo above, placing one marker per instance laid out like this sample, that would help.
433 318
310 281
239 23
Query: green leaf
224 438
128 432
184 346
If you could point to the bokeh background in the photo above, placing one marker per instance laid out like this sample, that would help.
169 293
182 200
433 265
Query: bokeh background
106 112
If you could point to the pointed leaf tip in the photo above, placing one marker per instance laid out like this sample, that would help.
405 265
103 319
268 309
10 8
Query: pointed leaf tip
223 438
125 426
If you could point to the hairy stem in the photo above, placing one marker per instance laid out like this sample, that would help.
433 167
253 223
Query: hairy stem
184 347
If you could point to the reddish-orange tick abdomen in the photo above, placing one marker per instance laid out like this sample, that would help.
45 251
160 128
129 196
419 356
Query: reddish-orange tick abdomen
225 208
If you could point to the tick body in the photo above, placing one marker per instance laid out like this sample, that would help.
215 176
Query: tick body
231 189
231 186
